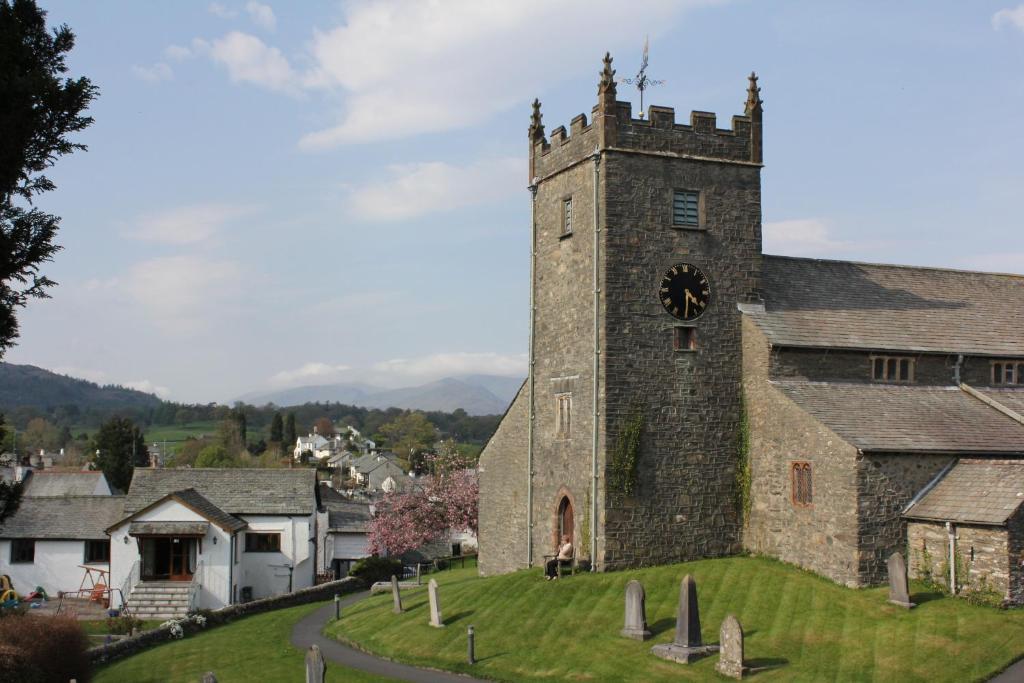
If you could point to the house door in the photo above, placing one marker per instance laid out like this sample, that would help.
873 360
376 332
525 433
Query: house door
179 567
168 558
566 522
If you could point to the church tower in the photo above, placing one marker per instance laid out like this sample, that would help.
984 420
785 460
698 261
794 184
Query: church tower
646 243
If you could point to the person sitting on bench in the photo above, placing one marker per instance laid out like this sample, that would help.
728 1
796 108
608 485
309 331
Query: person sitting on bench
564 555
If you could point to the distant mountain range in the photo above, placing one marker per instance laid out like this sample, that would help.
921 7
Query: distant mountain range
476 394
27 385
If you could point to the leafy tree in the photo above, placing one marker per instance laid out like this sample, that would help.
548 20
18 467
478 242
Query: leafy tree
10 492
409 435
120 447
39 108
216 455
324 426
289 430
276 428
39 434
238 416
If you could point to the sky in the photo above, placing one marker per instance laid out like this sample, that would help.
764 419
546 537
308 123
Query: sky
278 194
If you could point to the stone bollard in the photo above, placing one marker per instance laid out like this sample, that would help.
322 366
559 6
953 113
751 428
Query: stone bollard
337 607
470 645
316 667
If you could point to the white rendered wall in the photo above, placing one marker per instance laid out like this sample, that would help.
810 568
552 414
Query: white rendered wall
267 573
56 567
348 546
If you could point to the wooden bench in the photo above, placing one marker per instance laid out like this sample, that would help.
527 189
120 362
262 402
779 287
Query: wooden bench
563 565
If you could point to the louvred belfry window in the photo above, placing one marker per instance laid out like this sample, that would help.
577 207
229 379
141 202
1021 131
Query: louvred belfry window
803 493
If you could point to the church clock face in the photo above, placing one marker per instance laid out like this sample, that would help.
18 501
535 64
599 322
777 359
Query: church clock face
685 292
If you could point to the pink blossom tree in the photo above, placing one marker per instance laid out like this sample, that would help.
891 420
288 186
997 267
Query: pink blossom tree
445 501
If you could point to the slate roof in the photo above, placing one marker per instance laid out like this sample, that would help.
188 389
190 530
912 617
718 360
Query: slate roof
348 517
842 304
168 528
975 491
1010 398
235 491
65 517
200 504
887 417
63 484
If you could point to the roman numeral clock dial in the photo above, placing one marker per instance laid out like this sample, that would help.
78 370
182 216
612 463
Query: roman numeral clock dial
685 292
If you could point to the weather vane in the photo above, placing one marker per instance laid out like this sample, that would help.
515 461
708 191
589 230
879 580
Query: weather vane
642 82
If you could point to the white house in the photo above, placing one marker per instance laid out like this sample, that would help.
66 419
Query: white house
206 538
49 541
344 527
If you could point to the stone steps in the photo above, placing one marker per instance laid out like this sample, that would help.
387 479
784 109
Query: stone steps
159 600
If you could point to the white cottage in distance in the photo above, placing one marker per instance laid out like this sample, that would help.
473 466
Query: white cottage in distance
206 538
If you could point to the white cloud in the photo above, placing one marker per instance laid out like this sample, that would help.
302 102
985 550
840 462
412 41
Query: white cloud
803 237
177 53
317 373
438 365
1011 16
220 10
184 294
249 60
410 67
422 188
153 74
188 224
148 387
261 15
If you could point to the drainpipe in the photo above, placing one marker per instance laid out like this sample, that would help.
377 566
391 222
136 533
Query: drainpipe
231 568
956 368
529 423
597 363
951 530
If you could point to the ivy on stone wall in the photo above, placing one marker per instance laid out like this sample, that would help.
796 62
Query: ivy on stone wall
623 477
585 527
743 465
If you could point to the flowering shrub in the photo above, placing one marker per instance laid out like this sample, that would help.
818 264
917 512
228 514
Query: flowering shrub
175 627
446 501
122 625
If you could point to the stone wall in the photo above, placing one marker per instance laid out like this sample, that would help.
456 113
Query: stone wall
822 537
685 506
502 476
1015 549
147 639
984 553
829 365
886 483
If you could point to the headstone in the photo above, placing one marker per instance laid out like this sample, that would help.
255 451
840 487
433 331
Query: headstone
316 667
636 613
730 662
208 677
396 595
898 593
687 645
435 605
419 568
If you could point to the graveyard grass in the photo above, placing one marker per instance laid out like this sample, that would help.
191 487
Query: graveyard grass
798 626
252 649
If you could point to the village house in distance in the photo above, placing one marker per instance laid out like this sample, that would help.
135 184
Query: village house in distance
690 396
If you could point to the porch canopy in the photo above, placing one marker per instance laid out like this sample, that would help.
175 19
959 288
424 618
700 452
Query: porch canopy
168 528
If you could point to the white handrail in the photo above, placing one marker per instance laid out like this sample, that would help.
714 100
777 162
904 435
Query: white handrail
129 582
194 587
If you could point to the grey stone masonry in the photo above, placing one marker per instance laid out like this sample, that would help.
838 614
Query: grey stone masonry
899 594
436 620
316 667
396 596
636 612
730 661
688 644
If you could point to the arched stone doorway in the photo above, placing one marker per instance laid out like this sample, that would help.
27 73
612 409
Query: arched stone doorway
566 520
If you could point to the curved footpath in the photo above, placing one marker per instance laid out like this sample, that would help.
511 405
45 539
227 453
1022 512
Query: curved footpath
309 631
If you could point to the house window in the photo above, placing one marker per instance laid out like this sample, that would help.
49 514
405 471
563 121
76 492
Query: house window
1007 372
685 208
892 369
262 543
563 415
567 216
97 552
23 550
684 339
800 475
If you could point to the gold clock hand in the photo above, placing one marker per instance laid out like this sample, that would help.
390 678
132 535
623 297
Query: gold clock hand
688 298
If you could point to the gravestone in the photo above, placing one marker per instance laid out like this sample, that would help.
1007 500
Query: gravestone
636 612
730 662
316 667
208 677
687 645
396 595
435 605
898 592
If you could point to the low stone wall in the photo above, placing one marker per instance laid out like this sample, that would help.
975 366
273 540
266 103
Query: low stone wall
129 646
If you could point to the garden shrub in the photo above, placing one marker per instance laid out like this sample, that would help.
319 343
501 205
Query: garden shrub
122 625
40 649
374 569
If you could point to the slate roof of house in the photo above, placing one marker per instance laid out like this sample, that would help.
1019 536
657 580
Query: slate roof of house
62 484
64 517
200 504
842 304
1010 398
235 491
975 491
377 475
887 417
348 517
371 461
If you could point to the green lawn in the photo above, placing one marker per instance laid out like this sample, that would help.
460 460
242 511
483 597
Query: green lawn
250 650
157 433
799 626
98 627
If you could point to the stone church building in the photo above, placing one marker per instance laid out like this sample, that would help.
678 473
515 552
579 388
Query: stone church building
690 396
